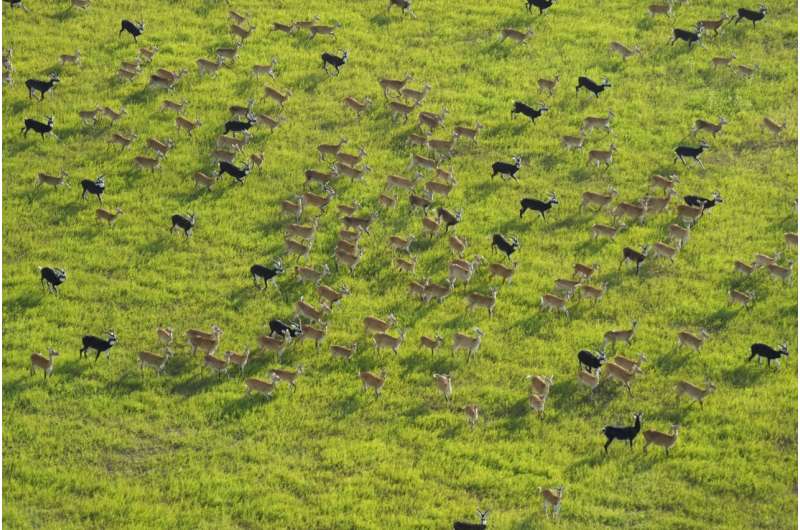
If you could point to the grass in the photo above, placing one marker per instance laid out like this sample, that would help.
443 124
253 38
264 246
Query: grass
101 446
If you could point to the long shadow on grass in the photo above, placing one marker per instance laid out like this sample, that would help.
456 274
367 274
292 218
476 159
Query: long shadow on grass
345 406
745 375
236 408
23 302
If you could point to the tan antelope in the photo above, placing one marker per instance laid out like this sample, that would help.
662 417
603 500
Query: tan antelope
472 413
260 386
372 381
572 142
350 209
130 75
591 123
148 53
186 125
743 268
376 325
745 299
293 208
694 392
502 271
203 180
536 403
268 121
306 310
320 177
704 125
662 250
306 24
45 364
584 272
781 273
462 270
462 341
300 250
331 295
307 274
311 333
417 139
468 132
352 236
345 352
418 289
636 212
665 183
348 260
156 81
623 51
552 499
746 71
548 84
161 148
359 223
418 96
277 97
623 335
206 67
457 244
355 174
350 159
418 201
610 232
590 380
606 157
275 345
287 375
80 4
432 121
265 69
540 385
772 126
305 232
689 214
222 154
215 364
714 25
229 53
399 243
286 28
481 300
227 142
216 331
678 234
165 336
236 17
431 343
516 35
598 199
384 340
133 66
657 205
442 147
396 181
205 344
154 361
325 150
621 375
421 161
629 364
667 441
660 9
114 116
439 291
723 61
694 342
60 180
762 260
238 31
145 162
445 384
104 215
552 302
90 115
394 85
319 202
357 106
172 77
324 30
593 293
566 287
407 266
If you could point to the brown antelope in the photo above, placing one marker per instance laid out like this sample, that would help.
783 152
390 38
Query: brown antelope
161 148
692 341
606 157
481 300
601 230
620 374
376 325
584 271
172 77
782 273
90 115
130 75
742 298
330 149
772 126
350 159
60 180
689 214
319 202
384 340
396 181
112 115
399 243
667 441
156 81
623 51
145 162
186 125
372 381
662 250
229 53
636 212
432 121
516 35
566 287
394 85
791 239
665 183
625 335
418 201
352 236
104 215
265 69
306 24
239 359
598 199
572 142
215 332
133 66
457 244
407 266
762 260
303 231
723 61
204 66
593 293
287 375
714 25
704 125
746 71
257 160
418 289
445 384
660 9
238 31
165 336
348 260
80 4
548 84
552 302
306 310
629 364
324 30
694 392
357 106
345 352
465 342
300 250
443 147
431 343
438 291
203 180
276 96
552 499
589 379
591 123
417 139
472 413
537 402
540 385
421 161
286 28
148 53
227 142
307 274
236 17
313 334
657 205
418 96
275 345
215 364
268 121
501 271
205 344
154 361
293 208
359 223
320 177
333 296
468 132
265 388
355 174
678 234
45 364
743 268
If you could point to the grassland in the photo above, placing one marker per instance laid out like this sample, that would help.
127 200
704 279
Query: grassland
100 446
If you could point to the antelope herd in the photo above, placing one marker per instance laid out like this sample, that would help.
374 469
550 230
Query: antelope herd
404 95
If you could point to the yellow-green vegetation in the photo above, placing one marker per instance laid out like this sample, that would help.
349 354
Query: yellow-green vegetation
99 445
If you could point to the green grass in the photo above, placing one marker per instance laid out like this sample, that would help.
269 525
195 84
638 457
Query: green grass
100 446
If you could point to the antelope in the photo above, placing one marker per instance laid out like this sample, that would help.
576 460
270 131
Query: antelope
741 298
373 381
286 28
357 106
459 272
622 375
656 205
165 336
148 53
105 215
692 341
443 147
384 340
376 325
60 180
333 296
319 202
236 17
714 25
154 361
306 24
348 260
238 359
417 139
516 35
313 334
746 71
591 123
114 116
349 159
594 293
265 69
215 332
762 260
694 392
548 84
667 441
438 291
572 142
567 287
665 183
217 365
186 125
227 142
457 245
133 66
421 161
312 175
601 230
468 132
623 51
229 53
481 300
501 271
276 96
713 128
130 75
396 181
540 385
401 243
71 59
351 236
431 343
265 388
615 336
353 173
238 31
606 157
305 232
598 199
293 208
636 212
552 499
744 268
268 121
418 289
307 274
791 239
156 81
330 149
172 77
297 248
432 121
584 271
418 96
45 364
145 162
418 201
201 179
782 273
772 126
662 250
689 214
660 9
161 148
287 375
205 343
81 4
359 223
678 234
589 379
344 352
87 115
552 302
405 265
267 343
324 30
723 61
472 412
465 342
395 85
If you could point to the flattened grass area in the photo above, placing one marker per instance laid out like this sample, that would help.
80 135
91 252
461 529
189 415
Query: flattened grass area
101 446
